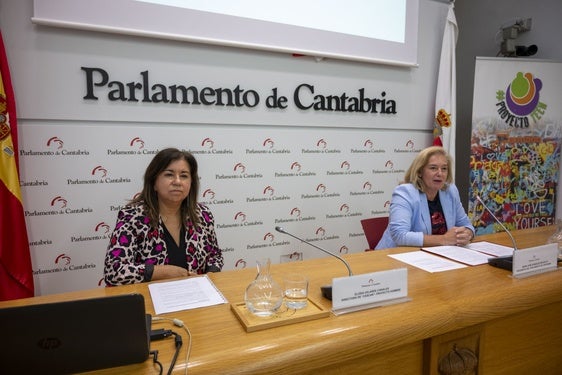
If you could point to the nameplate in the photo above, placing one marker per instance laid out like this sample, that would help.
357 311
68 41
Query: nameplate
534 260
369 290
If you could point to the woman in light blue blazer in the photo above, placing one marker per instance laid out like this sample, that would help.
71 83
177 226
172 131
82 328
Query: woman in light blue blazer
426 209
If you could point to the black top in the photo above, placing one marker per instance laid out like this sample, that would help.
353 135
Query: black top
438 224
176 254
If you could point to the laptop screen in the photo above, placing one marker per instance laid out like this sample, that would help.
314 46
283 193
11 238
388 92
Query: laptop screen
74 336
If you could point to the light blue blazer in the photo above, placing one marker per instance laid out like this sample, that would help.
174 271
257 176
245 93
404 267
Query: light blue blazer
409 216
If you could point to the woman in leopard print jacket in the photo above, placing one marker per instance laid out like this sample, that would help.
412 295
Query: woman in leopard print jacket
163 232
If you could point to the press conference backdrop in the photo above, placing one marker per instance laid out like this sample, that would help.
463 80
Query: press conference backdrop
273 144
318 186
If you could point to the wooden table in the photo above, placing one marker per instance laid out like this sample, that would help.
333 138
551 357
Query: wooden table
514 326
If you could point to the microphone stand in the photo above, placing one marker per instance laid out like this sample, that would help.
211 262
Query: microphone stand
326 289
506 261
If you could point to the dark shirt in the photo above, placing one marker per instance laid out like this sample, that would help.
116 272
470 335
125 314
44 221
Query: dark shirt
176 254
438 224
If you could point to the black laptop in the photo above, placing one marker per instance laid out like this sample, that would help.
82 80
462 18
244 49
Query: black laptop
74 336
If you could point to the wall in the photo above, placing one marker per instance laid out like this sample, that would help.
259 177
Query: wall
82 159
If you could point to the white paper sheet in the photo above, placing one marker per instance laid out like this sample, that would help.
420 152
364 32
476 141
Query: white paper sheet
459 254
189 293
491 248
427 262
473 254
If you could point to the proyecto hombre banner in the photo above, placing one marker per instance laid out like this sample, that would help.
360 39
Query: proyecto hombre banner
515 143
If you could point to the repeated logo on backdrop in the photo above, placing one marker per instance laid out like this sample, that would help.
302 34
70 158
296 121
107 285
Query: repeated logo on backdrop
317 187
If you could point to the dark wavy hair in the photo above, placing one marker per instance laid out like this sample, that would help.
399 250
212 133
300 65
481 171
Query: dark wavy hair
149 197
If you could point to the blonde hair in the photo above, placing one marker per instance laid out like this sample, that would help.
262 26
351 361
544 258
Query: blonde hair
413 174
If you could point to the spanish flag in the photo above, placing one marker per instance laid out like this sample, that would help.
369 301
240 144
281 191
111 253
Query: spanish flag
16 275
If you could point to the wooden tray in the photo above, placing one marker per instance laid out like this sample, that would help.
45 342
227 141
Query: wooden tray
284 316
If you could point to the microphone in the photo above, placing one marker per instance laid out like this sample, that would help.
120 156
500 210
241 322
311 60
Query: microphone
326 289
505 262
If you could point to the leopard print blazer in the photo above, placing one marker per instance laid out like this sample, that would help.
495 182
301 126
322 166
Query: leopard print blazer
133 244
